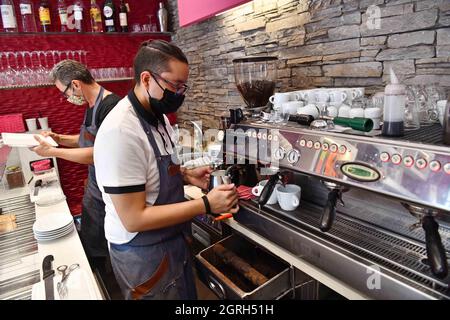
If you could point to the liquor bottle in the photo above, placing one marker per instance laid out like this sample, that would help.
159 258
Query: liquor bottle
123 17
8 16
96 17
62 13
78 15
108 12
44 15
27 13
162 18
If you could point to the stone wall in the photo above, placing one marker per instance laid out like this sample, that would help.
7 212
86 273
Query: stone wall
318 43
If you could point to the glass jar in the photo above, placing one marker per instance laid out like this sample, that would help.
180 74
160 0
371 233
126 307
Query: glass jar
14 177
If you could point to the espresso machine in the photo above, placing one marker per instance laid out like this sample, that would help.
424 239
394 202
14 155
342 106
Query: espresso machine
374 211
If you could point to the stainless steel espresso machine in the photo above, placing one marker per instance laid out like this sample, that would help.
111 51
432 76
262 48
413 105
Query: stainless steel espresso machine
371 207
374 211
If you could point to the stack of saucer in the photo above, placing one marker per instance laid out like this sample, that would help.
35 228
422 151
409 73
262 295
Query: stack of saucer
53 226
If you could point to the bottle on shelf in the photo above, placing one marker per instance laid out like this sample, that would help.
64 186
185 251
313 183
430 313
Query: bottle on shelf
96 17
8 16
62 13
123 16
162 18
27 14
44 16
108 12
78 15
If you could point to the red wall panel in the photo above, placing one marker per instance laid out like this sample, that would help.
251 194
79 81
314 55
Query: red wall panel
103 51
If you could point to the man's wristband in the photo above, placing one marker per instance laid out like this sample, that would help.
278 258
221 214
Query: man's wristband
207 206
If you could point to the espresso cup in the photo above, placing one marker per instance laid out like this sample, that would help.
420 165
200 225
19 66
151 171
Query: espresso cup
338 96
291 107
288 196
259 188
310 109
344 111
356 113
279 98
294 96
31 124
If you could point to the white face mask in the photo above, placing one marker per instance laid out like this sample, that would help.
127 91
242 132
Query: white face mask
76 100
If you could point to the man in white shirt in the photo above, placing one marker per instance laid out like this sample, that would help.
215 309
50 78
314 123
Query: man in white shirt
146 214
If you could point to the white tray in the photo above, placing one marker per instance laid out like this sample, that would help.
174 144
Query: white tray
25 140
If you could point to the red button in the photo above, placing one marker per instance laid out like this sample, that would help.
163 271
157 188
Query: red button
317 145
447 168
333 148
302 143
385 157
396 159
435 166
421 163
342 149
325 146
309 144
408 161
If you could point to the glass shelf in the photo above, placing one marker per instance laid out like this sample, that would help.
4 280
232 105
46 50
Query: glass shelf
45 85
85 33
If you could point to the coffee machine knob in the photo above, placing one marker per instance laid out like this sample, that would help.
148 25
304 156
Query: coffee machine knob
279 154
293 156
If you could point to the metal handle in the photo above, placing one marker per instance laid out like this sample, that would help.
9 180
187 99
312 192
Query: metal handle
435 249
329 212
216 287
268 189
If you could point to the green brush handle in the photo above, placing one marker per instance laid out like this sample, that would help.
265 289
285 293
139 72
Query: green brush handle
360 124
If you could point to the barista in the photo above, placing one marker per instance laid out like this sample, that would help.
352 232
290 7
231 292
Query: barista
77 85
146 215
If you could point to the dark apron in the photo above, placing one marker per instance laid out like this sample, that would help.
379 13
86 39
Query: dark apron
157 264
93 208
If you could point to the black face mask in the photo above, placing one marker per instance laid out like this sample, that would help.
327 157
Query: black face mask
169 103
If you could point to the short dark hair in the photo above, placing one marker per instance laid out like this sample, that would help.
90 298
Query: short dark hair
68 70
155 55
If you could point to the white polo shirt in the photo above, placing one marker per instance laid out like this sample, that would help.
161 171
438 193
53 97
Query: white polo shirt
125 162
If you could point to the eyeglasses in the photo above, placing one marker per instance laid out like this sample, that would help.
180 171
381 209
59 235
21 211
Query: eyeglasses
180 89
65 90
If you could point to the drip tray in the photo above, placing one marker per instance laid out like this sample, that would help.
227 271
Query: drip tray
235 268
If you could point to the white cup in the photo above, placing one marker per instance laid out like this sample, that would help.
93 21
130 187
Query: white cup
375 115
43 123
322 96
357 113
288 196
31 124
332 111
294 96
338 97
259 188
279 98
310 109
344 111
291 107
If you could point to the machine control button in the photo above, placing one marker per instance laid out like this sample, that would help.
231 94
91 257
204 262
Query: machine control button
249 134
447 168
302 143
333 147
254 134
259 135
309 144
408 161
264 136
396 159
325 146
293 156
317 145
421 163
385 157
269 137
275 138
435 166
342 149
279 154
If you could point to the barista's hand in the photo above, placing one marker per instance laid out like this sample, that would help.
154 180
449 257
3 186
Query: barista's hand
44 149
224 199
198 177
55 136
